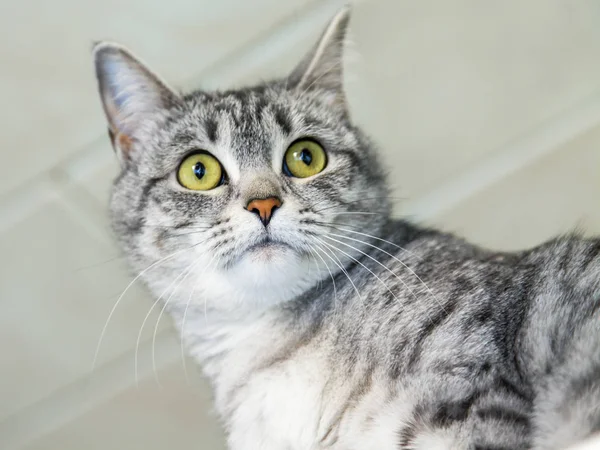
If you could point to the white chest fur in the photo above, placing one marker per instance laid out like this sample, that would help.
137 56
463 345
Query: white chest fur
293 407
295 403
280 407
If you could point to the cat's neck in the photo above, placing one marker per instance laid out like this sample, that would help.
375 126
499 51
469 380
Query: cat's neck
261 313
229 345
229 348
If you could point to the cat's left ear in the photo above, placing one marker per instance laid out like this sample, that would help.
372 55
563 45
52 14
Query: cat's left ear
322 68
131 95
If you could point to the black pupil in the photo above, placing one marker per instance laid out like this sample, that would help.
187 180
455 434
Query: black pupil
199 170
306 156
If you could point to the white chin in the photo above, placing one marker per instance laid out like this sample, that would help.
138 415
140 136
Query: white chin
273 254
270 270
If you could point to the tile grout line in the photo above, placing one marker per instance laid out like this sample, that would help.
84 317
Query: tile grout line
518 154
26 200
84 394
83 208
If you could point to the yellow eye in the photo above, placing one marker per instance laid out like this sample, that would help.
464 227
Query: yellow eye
200 172
304 159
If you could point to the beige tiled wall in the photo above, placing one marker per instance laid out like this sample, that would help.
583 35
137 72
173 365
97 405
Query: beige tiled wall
176 415
487 113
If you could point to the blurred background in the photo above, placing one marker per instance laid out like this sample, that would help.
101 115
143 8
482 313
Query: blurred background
487 114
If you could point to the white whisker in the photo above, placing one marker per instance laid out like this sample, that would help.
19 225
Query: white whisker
395 259
189 270
382 240
341 267
386 268
312 252
364 213
345 204
332 278
373 259
361 264
139 337
114 308
185 311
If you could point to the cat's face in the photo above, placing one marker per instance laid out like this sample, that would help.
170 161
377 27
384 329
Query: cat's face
243 194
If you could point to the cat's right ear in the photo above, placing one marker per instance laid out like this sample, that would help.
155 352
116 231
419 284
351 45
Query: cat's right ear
131 95
322 67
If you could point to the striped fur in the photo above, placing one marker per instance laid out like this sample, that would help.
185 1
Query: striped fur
356 330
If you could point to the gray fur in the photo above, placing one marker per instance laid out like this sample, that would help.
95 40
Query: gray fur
412 336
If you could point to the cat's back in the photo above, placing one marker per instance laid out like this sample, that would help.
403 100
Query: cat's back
420 299
563 305
432 322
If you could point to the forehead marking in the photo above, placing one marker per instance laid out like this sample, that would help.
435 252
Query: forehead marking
211 126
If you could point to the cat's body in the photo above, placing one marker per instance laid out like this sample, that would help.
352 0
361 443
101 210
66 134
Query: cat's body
322 322
440 362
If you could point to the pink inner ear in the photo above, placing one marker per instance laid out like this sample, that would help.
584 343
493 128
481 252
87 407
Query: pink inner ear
121 143
124 143
130 91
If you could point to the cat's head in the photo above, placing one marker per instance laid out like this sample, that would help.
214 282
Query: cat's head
240 197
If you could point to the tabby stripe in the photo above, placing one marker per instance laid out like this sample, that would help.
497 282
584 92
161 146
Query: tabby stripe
492 447
595 307
432 324
509 387
406 436
359 391
500 414
450 412
186 223
211 126
564 261
135 227
141 206
580 386
592 252
283 120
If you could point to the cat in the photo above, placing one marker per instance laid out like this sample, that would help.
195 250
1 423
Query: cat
261 220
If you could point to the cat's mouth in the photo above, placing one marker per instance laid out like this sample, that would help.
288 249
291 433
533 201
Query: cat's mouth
264 249
266 243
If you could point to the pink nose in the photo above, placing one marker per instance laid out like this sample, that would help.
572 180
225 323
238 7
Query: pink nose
264 208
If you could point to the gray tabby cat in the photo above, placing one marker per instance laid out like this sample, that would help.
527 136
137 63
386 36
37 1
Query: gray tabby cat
263 216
